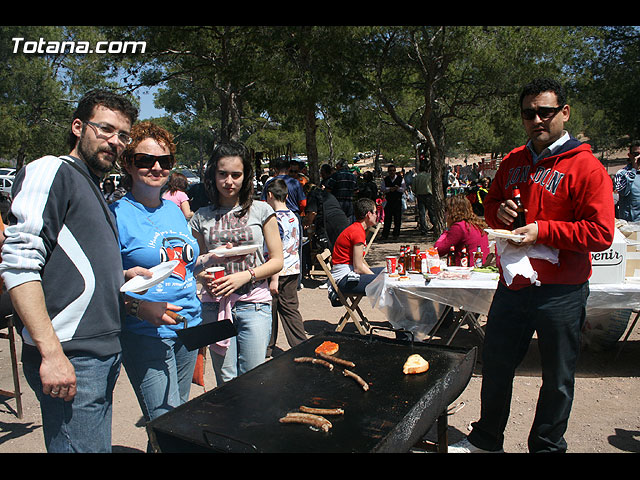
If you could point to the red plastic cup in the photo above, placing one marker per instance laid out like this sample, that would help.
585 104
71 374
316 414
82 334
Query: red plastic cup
392 263
217 272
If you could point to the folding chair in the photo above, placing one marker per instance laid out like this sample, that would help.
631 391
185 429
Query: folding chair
349 301
7 322
373 237
633 324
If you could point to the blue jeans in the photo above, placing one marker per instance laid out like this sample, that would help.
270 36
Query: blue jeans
82 425
357 288
160 371
556 313
248 349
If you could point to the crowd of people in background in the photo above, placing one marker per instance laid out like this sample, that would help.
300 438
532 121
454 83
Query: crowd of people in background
393 191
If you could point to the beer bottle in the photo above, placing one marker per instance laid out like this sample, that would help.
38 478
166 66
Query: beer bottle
407 259
520 220
401 263
464 257
451 259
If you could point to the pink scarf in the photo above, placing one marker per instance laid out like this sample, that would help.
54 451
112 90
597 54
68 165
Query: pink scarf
259 294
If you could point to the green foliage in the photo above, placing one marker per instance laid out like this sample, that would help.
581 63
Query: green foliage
31 106
379 88
609 86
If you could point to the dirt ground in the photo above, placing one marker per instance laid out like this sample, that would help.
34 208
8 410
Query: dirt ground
605 416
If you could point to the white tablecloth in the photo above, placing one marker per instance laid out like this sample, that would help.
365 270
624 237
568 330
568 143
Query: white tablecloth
416 305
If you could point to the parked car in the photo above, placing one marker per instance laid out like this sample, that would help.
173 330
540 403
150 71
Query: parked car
192 178
8 171
6 182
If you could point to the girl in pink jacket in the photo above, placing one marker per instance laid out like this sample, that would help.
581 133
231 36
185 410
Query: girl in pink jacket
465 228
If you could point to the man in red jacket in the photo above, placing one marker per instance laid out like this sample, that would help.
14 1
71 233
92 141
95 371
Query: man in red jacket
567 197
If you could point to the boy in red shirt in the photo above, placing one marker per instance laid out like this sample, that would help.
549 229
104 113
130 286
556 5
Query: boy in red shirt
349 269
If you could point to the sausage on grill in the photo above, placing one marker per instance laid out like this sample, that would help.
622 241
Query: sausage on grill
316 361
308 419
339 361
357 378
322 411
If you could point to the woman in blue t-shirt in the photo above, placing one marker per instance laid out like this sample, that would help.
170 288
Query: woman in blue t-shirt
151 231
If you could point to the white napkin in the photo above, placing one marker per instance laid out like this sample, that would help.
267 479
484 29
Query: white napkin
515 260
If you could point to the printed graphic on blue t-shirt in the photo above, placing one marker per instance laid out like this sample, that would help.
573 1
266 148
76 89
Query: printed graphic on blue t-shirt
149 237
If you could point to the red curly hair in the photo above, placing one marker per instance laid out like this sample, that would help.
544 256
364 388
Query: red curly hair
139 132
143 130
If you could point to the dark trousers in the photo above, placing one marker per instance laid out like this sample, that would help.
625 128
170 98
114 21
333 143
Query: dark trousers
556 313
358 287
285 305
392 213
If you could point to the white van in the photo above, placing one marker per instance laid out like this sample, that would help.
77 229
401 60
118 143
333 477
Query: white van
6 182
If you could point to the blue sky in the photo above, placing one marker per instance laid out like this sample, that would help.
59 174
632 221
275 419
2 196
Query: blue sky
147 110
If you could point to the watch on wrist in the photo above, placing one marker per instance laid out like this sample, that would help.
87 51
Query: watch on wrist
253 275
134 306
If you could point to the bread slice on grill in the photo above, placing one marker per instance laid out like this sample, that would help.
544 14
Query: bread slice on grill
328 348
415 364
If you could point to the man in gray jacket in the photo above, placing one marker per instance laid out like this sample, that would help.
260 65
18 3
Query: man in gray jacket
62 267
627 183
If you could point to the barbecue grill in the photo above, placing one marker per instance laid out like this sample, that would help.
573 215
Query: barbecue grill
391 416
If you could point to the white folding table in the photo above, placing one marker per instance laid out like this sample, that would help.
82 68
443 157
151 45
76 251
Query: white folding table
418 306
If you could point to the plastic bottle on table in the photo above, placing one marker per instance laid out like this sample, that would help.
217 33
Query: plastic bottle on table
433 261
477 258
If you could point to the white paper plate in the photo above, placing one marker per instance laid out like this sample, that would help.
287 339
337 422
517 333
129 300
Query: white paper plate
233 251
458 269
509 236
140 283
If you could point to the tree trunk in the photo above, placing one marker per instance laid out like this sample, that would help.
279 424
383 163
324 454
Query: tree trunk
230 115
235 114
329 139
437 174
437 161
310 128
20 157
